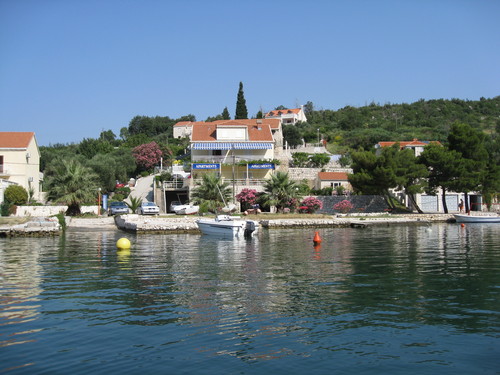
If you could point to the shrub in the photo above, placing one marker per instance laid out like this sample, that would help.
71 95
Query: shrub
247 198
16 194
344 206
310 204
4 208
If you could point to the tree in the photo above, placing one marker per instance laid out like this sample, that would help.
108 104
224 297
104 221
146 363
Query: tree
411 175
372 174
300 159
241 106
71 183
225 114
292 135
319 160
470 144
108 136
16 194
442 164
89 147
147 155
211 192
281 192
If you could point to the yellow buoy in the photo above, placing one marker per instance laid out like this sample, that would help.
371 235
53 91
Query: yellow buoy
123 243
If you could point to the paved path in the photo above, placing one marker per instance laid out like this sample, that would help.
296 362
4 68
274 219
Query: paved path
143 189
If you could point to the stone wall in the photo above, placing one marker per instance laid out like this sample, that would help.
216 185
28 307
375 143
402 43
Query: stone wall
361 203
44 211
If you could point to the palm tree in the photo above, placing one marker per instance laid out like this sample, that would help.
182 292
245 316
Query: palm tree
211 192
71 183
281 192
135 203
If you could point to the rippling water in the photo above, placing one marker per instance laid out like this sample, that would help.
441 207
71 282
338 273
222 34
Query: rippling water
395 300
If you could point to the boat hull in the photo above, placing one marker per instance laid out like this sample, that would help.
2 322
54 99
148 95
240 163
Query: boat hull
227 228
476 219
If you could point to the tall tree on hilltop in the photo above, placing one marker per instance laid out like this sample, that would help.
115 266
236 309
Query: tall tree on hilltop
241 105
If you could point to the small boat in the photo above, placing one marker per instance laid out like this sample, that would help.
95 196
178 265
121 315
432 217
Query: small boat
186 209
463 218
228 226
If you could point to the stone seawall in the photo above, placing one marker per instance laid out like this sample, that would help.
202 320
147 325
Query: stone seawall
143 224
361 203
36 227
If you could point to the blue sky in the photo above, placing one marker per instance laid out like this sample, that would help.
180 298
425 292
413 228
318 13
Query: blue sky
72 68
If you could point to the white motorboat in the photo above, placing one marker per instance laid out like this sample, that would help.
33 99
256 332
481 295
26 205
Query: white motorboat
228 226
464 218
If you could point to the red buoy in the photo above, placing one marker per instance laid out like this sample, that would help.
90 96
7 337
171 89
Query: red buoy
317 238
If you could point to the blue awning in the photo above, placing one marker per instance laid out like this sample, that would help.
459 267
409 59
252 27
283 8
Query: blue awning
232 146
212 146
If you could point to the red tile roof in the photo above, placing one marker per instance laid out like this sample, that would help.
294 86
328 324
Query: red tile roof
332 176
15 139
272 122
206 132
279 112
414 143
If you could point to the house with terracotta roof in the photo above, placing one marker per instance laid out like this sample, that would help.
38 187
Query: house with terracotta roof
241 151
415 145
333 180
287 116
20 162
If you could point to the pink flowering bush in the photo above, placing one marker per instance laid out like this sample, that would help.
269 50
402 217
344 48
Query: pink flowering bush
310 204
147 155
344 206
247 198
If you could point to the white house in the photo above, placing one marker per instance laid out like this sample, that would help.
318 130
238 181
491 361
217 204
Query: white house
288 116
415 145
333 180
20 162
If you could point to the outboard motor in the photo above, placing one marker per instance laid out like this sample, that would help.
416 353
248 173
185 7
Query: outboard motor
249 228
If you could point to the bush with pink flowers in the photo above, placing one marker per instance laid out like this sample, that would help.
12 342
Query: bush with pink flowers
344 206
310 204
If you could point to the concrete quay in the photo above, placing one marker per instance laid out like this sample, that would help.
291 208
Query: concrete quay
186 224
43 226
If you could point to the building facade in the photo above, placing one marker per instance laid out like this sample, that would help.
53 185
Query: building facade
20 162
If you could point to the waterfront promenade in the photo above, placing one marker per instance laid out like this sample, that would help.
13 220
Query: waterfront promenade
40 226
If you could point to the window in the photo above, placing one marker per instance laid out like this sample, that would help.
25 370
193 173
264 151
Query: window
1 163
216 152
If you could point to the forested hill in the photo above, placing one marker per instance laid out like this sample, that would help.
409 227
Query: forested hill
351 128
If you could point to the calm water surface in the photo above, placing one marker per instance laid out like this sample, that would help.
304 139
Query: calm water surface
391 300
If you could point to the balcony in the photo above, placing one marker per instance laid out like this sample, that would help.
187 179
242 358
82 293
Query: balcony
225 159
245 183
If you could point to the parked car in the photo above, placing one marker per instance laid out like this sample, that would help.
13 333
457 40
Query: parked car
116 208
149 208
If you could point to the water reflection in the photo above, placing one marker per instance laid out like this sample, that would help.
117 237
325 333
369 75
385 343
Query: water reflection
360 294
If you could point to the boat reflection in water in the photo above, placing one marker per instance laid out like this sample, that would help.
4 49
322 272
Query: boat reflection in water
228 226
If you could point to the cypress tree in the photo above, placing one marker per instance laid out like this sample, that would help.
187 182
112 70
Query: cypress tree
241 105
225 114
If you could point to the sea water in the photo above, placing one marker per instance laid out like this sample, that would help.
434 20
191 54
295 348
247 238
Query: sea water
407 299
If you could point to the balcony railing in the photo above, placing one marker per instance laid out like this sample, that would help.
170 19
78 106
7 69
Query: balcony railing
225 159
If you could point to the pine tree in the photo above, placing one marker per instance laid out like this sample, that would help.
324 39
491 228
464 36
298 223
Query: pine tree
241 106
225 114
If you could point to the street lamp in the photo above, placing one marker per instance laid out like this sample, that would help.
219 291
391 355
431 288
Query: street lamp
318 136
99 202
